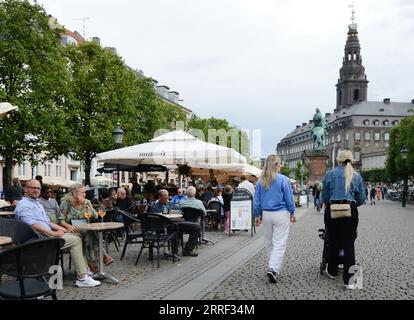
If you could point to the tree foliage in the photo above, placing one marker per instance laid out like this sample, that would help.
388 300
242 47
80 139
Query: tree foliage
298 174
219 131
33 77
400 136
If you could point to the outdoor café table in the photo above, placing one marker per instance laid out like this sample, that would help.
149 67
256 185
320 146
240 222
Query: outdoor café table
173 217
203 229
100 227
5 240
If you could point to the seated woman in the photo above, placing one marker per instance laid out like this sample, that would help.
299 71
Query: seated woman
73 207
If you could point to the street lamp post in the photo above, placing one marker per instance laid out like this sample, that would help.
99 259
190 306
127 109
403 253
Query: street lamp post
118 135
302 171
404 155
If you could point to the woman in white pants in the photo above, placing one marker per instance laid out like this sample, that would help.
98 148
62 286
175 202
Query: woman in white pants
274 199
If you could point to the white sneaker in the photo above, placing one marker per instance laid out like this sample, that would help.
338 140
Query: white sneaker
87 282
352 286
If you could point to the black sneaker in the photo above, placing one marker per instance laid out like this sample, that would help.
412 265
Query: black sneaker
189 254
272 276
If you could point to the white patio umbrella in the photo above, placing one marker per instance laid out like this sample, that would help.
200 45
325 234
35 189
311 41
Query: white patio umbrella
5 108
173 148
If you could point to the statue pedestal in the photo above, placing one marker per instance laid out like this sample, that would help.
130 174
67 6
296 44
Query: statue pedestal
317 161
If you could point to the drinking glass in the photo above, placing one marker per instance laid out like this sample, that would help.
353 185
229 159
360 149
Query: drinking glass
101 213
87 215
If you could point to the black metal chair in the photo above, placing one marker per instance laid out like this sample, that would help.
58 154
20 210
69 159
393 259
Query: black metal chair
29 263
111 235
158 231
193 215
132 236
18 231
217 217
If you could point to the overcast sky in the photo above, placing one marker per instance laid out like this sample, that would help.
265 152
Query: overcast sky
261 64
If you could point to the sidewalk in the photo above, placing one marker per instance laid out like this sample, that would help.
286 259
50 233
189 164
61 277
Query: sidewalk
384 249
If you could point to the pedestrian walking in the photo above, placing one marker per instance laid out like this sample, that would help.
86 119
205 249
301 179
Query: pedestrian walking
342 186
274 198
372 194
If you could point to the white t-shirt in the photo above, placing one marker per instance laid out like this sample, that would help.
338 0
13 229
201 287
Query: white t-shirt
246 184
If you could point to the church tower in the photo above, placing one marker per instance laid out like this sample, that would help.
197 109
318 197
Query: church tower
352 84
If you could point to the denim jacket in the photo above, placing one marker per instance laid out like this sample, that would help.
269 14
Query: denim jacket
333 187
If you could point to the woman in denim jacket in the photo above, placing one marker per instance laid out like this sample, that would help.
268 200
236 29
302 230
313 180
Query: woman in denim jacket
342 185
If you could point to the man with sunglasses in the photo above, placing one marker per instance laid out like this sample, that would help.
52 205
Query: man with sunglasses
50 205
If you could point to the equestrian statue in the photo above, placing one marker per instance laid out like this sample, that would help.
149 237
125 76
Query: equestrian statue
319 131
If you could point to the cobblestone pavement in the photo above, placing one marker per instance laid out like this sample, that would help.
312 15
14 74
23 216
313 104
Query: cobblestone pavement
125 271
384 249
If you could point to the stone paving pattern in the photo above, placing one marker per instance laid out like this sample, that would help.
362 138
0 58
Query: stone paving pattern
384 249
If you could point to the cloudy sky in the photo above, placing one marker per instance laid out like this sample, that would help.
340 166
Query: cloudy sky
261 64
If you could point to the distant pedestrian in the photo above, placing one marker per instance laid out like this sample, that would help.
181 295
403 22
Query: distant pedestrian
372 194
15 192
274 196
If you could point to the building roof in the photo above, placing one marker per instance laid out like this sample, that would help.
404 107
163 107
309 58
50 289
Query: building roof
375 108
364 108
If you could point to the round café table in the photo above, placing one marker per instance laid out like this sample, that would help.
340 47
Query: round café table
100 227
5 240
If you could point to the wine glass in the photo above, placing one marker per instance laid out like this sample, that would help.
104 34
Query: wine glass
87 215
101 213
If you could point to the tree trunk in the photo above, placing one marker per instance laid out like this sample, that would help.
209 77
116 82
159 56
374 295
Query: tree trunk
88 162
7 175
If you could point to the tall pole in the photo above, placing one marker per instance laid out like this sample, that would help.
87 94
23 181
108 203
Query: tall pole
405 185
118 177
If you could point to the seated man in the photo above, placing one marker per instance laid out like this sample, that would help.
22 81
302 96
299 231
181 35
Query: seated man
50 205
191 228
123 202
192 202
30 211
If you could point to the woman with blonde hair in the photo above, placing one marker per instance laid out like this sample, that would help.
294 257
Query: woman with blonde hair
74 206
274 198
342 186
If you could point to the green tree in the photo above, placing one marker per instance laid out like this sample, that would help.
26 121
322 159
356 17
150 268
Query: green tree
32 76
219 131
286 171
103 91
298 173
401 135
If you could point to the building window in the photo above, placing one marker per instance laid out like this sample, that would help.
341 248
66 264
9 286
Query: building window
386 123
347 136
367 136
356 95
338 138
387 136
366 122
395 123
58 168
22 169
376 122
357 136
48 166
377 136
333 139
357 156
36 166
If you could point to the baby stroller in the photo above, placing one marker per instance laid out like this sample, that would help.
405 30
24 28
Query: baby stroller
323 234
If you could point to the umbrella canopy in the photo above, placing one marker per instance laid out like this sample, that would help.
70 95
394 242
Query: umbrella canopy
173 148
112 167
5 108
58 183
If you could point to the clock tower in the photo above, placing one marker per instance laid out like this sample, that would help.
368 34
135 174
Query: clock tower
352 86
